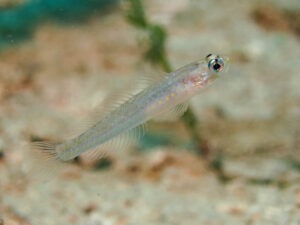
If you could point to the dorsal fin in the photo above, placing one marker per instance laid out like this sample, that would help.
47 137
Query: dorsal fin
109 104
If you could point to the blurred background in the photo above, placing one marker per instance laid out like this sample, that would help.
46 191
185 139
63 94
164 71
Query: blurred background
233 158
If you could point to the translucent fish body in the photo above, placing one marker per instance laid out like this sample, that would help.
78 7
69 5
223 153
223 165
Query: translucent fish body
160 97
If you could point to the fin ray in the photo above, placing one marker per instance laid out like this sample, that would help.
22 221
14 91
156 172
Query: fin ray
173 113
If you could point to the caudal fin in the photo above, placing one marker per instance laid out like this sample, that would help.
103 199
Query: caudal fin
44 164
46 149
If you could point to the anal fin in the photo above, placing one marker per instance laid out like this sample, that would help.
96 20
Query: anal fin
118 143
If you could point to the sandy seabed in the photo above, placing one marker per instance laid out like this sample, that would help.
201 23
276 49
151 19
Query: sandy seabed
251 118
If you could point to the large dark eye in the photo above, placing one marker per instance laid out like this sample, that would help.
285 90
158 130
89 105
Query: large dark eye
215 63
